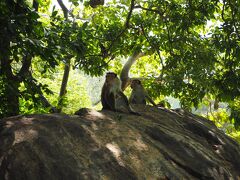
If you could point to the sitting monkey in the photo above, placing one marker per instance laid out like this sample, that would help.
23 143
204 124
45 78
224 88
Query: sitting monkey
112 94
139 95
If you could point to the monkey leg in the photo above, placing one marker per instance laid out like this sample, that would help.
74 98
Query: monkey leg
105 105
138 101
126 104
110 100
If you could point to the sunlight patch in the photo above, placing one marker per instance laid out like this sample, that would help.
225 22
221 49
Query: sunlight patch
24 135
26 120
97 114
114 148
140 145
214 135
9 124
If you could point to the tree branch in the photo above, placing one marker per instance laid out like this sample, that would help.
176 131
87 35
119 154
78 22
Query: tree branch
126 68
67 65
64 84
126 25
6 68
27 60
35 5
129 14
63 7
151 10
156 49
131 60
223 10
43 99
25 73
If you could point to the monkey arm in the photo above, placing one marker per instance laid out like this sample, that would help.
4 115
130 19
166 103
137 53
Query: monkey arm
126 103
131 98
124 97
108 102
107 98
103 99
111 101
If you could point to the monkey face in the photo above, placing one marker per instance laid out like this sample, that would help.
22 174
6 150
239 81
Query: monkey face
110 77
135 83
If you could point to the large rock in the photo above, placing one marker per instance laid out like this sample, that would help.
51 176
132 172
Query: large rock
160 144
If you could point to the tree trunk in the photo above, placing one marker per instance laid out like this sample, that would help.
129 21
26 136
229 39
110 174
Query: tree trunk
12 97
10 93
9 96
124 76
64 85
67 65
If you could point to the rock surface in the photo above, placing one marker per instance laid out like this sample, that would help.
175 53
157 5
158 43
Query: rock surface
160 144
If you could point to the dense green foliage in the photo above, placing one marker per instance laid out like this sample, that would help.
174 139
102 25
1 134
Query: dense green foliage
192 49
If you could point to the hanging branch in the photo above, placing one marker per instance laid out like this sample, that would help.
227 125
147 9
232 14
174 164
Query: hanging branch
156 49
35 5
67 65
151 10
64 9
223 10
42 98
161 14
169 39
27 61
126 25
24 73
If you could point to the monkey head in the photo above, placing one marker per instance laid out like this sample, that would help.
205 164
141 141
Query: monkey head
110 76
112 79
135 83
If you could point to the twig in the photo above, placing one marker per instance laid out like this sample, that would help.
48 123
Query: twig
126 25
156 49
63 7
151 10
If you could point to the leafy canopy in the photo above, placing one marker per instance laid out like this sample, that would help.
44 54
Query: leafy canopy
191 47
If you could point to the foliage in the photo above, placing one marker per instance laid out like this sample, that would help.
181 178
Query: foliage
192 49
75 98
235 113
2 97
222 121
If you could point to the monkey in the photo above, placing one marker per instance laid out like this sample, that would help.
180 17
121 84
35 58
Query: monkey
112 96
138 94
107 95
